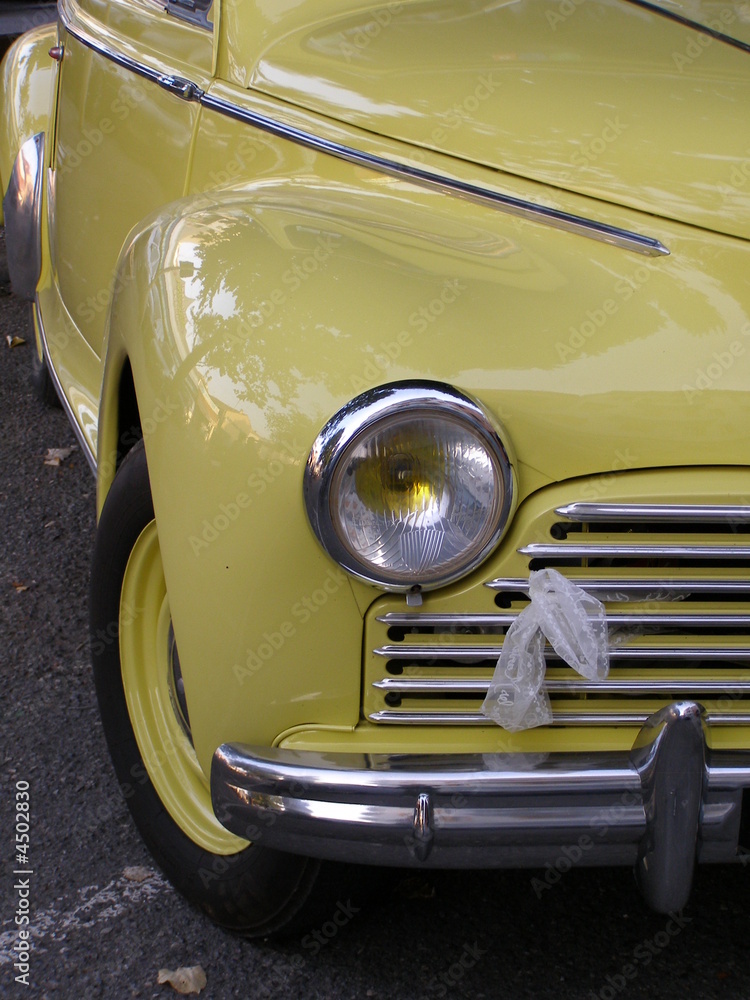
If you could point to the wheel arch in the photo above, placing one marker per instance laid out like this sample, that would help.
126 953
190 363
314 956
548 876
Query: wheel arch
119 421
215 315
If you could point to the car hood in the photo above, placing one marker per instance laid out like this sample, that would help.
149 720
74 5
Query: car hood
605 98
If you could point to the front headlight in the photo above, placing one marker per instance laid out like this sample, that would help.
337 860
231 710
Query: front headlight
409 485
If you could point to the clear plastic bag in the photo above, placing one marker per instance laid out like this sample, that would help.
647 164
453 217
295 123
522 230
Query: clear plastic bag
575 625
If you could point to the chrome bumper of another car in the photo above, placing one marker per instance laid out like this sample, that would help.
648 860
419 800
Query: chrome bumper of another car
667 803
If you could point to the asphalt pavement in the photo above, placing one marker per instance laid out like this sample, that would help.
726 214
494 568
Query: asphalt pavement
102 921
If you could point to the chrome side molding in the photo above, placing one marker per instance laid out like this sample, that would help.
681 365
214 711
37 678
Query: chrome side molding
530 211
23 218
67 408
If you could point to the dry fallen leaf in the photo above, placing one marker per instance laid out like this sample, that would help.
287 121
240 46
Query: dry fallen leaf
137 873
14 341
19 586
185 980
53 456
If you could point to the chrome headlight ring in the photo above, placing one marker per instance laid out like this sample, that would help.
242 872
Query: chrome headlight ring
410 485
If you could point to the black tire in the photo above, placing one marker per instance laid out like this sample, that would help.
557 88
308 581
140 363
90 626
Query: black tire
256 891
44 388
41 380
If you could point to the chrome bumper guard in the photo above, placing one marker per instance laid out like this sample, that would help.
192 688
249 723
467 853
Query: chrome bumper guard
667 803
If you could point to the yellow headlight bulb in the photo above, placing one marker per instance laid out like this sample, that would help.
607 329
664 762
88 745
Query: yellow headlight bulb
399 482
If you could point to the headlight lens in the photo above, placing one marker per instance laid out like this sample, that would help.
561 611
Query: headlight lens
409 485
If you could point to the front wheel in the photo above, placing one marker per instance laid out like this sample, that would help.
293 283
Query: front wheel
242 886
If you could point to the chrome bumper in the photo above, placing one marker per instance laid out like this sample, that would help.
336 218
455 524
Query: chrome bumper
661 807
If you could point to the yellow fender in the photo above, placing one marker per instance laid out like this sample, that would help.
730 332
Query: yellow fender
249 317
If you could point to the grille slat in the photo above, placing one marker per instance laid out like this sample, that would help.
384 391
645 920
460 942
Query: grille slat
677 688
559 718
679 618
636 550
636 585
593 513
674 578
467 653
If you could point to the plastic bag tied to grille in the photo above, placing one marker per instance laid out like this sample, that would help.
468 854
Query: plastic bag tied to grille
575 625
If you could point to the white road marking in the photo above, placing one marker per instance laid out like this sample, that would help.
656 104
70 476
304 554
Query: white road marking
96 906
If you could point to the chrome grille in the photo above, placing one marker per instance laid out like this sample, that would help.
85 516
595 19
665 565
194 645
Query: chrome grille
675 581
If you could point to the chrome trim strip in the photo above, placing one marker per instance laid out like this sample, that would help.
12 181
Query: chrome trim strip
68 410
693 513
184 89
703 29
472 653
680 653
675 618
620 585
685 688
614 718
567 550
506 203
613 235
410 619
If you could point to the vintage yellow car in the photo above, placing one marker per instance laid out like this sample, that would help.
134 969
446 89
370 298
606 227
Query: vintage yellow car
404 340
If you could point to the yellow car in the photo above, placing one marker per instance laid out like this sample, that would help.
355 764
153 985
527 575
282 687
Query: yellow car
409 345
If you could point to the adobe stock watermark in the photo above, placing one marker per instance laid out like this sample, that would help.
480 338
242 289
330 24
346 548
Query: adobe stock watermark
570 855
441 984
738 177
301 613
293 279
719 364
699 42
600 314
600 486
642 955
355 41
275 979
343 914
236 167
129 98
107 636
96 304
22 868
486 87
389 351
287 456
573 854
222 865
592 150
564 10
